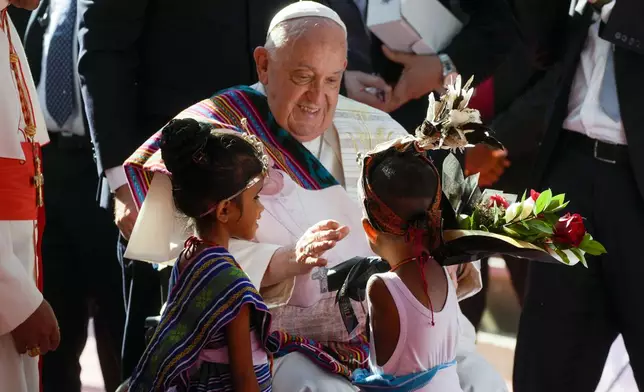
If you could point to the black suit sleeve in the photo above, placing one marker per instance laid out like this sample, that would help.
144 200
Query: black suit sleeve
485 40
108 63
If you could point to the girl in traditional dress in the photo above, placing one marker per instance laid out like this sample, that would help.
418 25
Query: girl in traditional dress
213 333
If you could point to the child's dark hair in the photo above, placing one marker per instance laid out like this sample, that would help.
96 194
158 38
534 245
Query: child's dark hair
407 184
207 167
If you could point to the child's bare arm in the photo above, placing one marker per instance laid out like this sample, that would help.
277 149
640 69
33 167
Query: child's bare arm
240 352
385 322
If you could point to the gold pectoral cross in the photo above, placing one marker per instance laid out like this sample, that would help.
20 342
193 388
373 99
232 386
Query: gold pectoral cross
38 180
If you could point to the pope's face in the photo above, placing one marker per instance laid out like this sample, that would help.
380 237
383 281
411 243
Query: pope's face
303 78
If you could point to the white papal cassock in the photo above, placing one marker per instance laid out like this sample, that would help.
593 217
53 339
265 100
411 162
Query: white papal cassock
19 295
304 306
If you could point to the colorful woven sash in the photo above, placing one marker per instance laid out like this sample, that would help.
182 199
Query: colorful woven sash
226 110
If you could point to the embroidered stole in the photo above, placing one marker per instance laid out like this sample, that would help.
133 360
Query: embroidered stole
226 110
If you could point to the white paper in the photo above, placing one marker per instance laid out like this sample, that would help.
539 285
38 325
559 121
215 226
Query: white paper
401 24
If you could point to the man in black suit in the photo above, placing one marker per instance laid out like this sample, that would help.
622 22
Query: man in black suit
141 63
82 272
592 152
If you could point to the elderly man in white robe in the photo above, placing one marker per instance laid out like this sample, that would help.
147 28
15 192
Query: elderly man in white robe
300 70
28 327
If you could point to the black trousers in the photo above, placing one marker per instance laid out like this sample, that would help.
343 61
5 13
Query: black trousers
572 315
144 291
474 307
80 268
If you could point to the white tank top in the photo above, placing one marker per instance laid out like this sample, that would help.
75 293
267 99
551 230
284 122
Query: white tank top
421 346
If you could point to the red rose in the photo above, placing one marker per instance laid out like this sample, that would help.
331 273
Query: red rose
570 230
534 194
499 201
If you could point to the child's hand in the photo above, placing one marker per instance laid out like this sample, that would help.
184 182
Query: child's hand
317 240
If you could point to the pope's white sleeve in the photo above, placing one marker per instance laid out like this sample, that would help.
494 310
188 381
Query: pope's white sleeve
254 259
470 282
19 296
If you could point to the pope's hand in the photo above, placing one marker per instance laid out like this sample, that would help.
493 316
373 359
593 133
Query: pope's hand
125 212
357 84
38 331
319 238
420 76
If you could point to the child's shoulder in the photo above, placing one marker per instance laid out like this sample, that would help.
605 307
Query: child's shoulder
379 280
217 261
378 291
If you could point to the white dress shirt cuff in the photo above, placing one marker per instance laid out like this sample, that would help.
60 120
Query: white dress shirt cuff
116 178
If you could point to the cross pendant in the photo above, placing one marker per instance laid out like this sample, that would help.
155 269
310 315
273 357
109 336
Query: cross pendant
38 181
321 275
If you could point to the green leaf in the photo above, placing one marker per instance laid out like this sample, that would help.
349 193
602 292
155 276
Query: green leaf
542 202
521 229
561 207
512 233
563 256
580 255
483 228
591 246
476 218
464 222
556 202
540 226
496 211
523 197
551 218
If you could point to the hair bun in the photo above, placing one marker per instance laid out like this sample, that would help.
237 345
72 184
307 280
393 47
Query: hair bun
181 141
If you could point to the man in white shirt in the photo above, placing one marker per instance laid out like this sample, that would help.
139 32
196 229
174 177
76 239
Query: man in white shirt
28 327
592 152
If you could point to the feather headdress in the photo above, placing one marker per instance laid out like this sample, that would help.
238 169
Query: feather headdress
450 124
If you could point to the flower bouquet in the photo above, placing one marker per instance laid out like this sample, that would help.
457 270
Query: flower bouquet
535 220
478 225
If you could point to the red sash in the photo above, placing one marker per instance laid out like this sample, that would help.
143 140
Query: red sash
17 192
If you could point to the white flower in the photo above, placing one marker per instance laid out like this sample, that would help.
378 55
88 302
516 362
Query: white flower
511 212
527 208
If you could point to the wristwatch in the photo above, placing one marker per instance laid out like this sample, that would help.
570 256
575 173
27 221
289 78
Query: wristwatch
449 69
